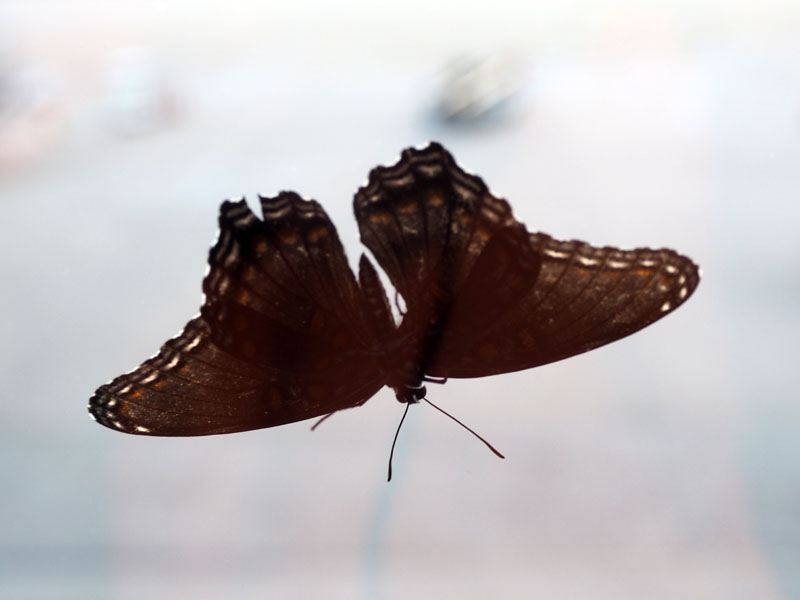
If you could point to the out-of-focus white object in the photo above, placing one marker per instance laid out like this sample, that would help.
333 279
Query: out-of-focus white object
139 99
475 88
30 114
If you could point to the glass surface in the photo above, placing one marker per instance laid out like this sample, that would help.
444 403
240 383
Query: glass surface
662 466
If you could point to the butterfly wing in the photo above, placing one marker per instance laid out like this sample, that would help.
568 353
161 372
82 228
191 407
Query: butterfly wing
280 338
484 296
583 297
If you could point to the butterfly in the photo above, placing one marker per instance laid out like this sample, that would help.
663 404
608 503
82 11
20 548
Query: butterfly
286 332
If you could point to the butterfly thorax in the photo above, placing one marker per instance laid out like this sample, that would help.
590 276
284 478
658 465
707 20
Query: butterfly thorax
402 350
402 361
405 378
408 358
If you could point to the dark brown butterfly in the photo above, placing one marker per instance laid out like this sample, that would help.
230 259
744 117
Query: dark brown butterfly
287 333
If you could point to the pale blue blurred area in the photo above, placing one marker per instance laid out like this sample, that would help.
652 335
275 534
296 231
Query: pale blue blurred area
663 466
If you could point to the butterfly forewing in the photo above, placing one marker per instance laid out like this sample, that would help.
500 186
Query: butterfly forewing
432 228
281 336
511 300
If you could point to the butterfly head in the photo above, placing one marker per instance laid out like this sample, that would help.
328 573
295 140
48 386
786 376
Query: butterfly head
410 394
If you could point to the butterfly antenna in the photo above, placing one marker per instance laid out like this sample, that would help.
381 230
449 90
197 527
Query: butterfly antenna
318 423
492 448
396 433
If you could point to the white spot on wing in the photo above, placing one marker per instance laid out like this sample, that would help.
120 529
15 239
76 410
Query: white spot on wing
152 377
223 286
231 257
245 220
400 182
193 344
556 253
666 306
430 170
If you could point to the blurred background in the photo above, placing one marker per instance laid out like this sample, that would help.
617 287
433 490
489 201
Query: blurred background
662 466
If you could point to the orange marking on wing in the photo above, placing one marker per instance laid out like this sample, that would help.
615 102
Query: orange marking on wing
317 234
288 237
435 198
380 218
407 207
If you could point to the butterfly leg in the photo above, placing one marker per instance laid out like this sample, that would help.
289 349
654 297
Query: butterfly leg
319 421
330 414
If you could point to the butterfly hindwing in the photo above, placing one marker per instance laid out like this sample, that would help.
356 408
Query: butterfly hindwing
281 336
583 297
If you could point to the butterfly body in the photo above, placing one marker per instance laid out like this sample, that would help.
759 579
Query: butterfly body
286 331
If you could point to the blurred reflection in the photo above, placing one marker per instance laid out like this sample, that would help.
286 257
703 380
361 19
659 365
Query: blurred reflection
139 98
477 88
30 114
